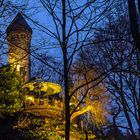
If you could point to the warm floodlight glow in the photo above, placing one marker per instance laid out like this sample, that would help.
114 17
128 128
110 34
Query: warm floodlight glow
31 98
18 67
48 87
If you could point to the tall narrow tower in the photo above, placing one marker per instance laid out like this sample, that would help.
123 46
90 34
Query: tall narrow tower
19 38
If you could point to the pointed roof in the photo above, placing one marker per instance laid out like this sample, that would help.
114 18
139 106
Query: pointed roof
18 24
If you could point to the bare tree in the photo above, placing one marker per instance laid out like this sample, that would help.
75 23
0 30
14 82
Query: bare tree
123 82
73 25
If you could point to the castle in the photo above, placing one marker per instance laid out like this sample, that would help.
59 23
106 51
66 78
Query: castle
43 102
19 36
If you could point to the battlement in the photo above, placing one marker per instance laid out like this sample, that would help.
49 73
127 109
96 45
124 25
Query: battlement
44 107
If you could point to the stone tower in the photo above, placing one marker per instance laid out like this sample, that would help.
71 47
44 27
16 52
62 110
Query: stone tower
19 38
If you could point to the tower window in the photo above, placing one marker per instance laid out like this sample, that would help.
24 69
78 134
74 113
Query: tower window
18 67
22 70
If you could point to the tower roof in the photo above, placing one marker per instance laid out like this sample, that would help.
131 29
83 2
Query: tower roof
18 24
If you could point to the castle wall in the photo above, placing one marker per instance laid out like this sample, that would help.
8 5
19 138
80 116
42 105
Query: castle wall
19 52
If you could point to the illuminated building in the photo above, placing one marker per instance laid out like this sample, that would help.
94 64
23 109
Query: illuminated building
19 37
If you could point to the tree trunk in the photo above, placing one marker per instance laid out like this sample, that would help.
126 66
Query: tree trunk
134 26
86 135
139 6
138 102
124 104
64 49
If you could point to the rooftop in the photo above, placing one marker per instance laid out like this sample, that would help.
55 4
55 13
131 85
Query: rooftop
18 24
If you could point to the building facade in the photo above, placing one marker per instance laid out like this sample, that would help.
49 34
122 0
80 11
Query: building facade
19 38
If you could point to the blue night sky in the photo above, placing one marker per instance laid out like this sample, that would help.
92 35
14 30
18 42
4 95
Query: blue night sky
40 40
